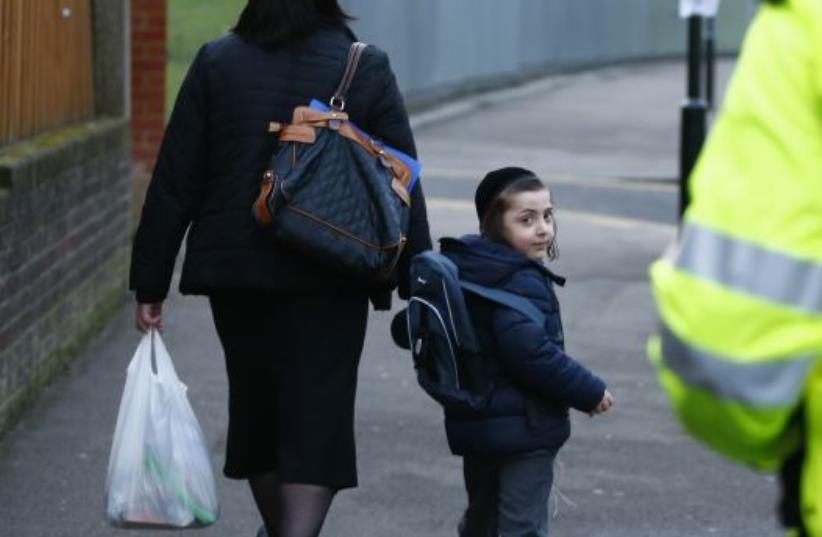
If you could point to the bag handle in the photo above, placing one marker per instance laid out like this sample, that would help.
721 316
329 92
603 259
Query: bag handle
161 364
337 101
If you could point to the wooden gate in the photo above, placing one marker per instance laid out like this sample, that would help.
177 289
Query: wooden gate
46 77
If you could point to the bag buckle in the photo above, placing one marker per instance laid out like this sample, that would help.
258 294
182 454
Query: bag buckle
335 122
381 155
337 103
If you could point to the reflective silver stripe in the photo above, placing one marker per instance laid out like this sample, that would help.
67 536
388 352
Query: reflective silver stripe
767 384
748 267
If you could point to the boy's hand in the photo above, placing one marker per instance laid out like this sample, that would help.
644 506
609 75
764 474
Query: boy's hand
603 406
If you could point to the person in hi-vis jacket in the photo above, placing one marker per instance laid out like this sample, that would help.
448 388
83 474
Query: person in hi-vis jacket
740 293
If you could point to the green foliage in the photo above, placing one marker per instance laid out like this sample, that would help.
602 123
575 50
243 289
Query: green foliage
190 24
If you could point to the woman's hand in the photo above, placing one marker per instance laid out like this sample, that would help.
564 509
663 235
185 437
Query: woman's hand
149 316
603 406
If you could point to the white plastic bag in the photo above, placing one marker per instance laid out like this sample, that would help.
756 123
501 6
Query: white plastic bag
159 472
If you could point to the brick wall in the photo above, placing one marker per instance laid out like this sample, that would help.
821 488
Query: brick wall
64 228
148 78
64 247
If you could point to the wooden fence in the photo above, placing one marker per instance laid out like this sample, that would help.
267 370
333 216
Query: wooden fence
46 77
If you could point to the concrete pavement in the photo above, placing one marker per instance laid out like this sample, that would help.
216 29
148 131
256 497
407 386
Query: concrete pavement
607 142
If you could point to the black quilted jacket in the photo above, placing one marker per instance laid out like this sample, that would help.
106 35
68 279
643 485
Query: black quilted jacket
215 149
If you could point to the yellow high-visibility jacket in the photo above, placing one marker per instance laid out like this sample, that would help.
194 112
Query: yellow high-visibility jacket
740 293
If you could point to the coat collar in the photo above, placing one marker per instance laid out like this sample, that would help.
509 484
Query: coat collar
489 263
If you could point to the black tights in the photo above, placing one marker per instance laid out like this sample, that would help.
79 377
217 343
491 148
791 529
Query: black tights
290 509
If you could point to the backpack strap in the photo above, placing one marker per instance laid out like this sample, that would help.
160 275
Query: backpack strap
337 101
516 302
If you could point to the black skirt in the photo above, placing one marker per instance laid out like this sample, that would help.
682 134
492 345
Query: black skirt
292 371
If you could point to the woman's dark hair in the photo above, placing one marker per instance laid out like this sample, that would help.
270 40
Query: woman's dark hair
492 224
280 21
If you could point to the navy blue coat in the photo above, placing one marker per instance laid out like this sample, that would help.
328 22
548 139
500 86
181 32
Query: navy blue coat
535 381
216 147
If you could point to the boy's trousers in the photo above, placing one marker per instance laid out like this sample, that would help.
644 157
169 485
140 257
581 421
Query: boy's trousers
508 495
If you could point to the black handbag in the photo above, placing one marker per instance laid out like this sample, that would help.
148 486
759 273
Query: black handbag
335 194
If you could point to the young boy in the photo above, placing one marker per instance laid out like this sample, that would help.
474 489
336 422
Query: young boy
509 446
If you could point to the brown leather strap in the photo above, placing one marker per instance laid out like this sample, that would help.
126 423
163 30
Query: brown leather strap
305 115
298 133
337 101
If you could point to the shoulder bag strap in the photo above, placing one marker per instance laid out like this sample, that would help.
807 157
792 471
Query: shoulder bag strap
516 302
337 101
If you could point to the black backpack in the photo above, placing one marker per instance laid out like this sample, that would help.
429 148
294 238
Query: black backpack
446 354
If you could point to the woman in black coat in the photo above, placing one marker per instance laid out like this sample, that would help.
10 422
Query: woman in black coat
292 329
